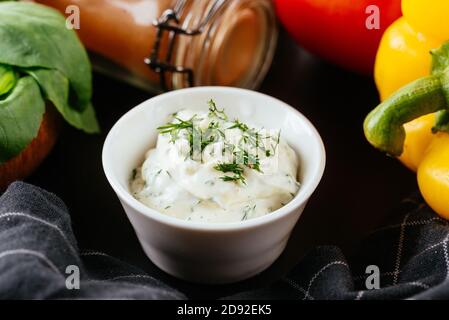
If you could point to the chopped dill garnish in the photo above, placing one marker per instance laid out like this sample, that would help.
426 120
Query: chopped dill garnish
245 153
213 125
247 210
234 178
229 167
251 161
215 112
235 168
176 126
167 207
237 124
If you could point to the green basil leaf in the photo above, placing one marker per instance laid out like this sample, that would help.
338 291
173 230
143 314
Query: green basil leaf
21 115
440 59
8 79
33 35
40 59
55 87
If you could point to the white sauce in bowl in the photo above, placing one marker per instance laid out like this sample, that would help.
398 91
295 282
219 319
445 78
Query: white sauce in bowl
235 172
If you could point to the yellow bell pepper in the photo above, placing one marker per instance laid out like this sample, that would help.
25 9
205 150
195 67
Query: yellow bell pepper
413 85
403 56
433 175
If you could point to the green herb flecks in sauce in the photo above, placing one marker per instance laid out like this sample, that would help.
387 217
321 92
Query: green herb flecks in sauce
245 152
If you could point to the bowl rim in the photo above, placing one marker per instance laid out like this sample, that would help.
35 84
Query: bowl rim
300 199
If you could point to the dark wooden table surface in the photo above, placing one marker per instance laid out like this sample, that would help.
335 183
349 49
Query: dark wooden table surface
358 191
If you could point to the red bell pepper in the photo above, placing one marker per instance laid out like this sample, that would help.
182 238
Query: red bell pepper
337 30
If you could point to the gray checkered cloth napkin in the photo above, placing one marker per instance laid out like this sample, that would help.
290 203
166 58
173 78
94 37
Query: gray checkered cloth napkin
409 255
407 259
39 257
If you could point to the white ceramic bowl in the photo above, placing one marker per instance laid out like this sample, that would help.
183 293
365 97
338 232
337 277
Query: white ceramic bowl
200 252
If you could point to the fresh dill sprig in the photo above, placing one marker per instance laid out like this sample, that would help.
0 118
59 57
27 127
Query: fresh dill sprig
174 128
182 124
245 152
234 178
239 125
229 167
235 168
215 112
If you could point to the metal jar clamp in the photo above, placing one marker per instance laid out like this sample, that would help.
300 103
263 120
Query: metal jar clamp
169 22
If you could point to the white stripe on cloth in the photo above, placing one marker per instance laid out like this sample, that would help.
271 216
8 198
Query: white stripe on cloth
321 271
51 225
446 257
399 252
32 253
94 253
297 287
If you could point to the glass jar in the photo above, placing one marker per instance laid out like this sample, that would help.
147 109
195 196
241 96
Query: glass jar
171 44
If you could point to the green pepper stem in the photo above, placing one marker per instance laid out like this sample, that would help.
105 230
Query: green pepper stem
384 126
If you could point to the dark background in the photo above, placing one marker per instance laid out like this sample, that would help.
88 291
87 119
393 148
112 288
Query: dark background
359 188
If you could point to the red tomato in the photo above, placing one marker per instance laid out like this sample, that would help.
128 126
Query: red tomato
336 29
